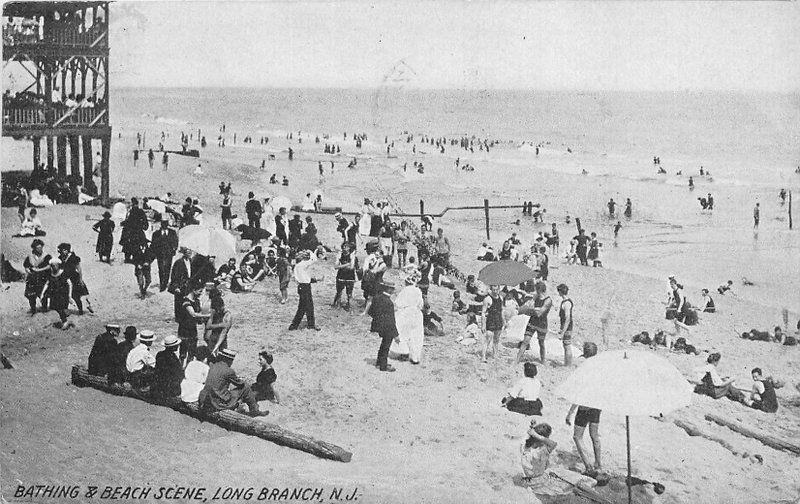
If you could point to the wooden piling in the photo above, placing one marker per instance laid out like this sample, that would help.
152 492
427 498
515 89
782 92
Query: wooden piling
486 214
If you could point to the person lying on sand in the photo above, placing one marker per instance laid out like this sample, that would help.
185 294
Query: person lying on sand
726 287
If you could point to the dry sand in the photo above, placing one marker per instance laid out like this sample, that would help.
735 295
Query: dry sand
428 433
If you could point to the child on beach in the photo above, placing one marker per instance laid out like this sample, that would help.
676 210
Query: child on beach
458 305
471 332
572 256
282 268
594 250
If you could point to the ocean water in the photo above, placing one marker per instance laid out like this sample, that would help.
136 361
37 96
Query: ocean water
739 137
749 142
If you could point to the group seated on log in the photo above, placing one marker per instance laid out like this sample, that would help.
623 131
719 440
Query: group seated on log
207 380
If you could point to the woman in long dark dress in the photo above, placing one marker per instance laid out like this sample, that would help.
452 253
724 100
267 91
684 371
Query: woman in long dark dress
36 266
59 292
105 237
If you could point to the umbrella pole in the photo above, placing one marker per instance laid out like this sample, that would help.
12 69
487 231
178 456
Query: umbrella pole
628 436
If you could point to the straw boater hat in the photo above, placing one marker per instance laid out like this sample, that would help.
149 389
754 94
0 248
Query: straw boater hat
55 261
171 341
147 336
385 286
227 353
113 327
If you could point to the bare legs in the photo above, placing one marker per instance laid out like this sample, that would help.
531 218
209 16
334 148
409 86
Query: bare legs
594 434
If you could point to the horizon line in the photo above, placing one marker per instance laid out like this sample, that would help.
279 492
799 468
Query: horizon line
477 89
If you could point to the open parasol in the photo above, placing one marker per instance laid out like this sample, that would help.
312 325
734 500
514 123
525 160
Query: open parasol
627 382
208 241
505 273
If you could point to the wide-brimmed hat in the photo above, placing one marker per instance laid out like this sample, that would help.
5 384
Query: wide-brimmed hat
113 327
172 341
147 336
55 261
386 286
227 353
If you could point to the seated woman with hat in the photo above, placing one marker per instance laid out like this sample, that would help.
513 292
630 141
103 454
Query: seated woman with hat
224 390
102 357
168 370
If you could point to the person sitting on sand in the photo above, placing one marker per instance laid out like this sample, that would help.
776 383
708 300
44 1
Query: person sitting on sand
523 396
471 332
226 271
535 457
505 251
264 387
31 225
762 397
194 376
241 281
458 305
431 322
224 390
707 304
712 384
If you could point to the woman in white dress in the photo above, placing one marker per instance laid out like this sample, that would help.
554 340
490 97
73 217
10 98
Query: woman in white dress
408 316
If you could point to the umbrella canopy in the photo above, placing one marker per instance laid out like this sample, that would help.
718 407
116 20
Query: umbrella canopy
158 206
208 241
279 202
627 382
505 273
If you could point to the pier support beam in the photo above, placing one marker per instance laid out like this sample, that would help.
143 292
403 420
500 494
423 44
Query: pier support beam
51 154
87 159
74 156
104 172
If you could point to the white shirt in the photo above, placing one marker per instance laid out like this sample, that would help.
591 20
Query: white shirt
139 357
526 388
194 380
712 370
302 273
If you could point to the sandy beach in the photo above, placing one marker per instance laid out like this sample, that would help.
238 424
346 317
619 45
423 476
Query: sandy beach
428 433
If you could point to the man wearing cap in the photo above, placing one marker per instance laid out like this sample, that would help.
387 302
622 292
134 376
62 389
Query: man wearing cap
224 390
169 371
305 304
140 362
102 358
179 279
383 323
164 243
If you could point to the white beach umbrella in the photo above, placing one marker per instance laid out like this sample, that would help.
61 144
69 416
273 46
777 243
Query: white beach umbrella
279 202
627 382
208 241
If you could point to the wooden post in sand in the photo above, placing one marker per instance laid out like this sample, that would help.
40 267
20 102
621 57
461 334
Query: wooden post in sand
578 223
790 209
421 208
486 213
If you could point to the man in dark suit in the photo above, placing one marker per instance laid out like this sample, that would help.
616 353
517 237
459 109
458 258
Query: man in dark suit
253 210
163 244
224 390
383 323
181 273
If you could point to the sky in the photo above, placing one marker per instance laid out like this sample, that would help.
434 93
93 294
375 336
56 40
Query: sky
738 46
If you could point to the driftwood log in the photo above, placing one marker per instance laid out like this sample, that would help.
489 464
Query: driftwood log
695 431
771 440
227 419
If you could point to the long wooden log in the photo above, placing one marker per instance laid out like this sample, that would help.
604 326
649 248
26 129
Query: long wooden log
695 431
771 440
227 419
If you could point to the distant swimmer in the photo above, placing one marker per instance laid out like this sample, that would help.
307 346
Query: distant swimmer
617 227
703 203
662 171
710 200
584 172
285 181
628 207
701 171
756 215
611 206
782 196
691 183
679 172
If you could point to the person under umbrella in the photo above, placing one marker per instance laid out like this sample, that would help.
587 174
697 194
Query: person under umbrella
591 417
